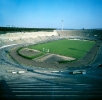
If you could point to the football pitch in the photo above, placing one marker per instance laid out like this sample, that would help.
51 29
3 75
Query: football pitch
71 48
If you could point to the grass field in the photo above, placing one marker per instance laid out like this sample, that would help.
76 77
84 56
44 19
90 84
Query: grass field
72 48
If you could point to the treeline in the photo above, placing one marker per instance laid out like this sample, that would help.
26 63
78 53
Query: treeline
18 29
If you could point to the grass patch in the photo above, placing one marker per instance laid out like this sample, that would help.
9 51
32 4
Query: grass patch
72 48
62 62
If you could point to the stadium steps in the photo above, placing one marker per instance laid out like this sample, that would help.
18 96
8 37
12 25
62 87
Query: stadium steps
36 90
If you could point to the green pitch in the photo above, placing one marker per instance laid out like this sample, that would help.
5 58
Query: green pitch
72 48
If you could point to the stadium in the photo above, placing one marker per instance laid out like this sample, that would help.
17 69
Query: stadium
50 64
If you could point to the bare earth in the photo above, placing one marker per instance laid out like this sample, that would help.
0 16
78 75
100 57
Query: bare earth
29 52
54 58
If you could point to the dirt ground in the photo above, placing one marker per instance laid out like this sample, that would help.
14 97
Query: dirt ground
88 58
28 52
54 58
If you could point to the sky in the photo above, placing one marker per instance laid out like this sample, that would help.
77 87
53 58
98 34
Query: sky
76 14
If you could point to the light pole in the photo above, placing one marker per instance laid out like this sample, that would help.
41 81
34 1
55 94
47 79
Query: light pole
62 25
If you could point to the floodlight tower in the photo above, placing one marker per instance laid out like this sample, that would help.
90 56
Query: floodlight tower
62 25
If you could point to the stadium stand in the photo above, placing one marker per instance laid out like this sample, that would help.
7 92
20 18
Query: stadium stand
81 34
26 37
46 84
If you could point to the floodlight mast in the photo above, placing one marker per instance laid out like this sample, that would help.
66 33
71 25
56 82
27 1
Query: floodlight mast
62 25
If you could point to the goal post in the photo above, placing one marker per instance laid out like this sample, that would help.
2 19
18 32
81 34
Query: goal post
48 50
45 50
